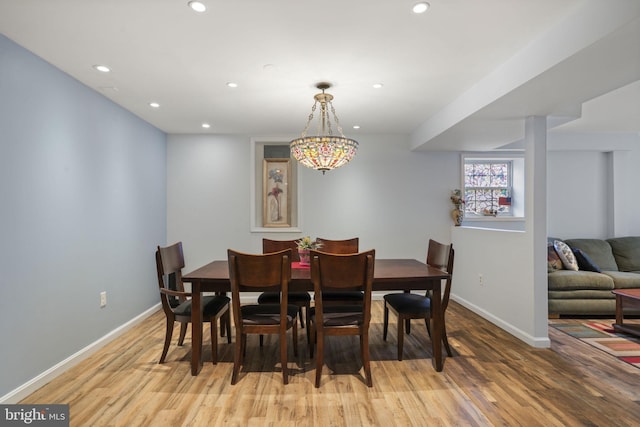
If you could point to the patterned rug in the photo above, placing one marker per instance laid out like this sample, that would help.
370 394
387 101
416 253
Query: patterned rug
602 336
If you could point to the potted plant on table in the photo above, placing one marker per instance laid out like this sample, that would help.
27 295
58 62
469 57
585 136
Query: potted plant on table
304 246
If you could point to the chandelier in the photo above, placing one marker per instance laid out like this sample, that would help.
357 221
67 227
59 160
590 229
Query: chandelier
324 151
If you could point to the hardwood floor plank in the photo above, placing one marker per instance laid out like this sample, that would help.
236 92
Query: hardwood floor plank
492 380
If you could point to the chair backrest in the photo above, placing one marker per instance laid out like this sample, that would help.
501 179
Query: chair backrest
441 256
347 246
269 246
169 265
343 272
259 273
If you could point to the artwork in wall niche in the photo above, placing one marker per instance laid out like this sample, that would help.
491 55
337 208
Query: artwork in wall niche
276 200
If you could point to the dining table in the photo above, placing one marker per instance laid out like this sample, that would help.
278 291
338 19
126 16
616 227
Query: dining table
389 275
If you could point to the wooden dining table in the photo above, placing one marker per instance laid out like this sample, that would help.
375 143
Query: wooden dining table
389 275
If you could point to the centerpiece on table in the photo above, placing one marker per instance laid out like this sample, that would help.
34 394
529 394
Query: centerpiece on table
304 246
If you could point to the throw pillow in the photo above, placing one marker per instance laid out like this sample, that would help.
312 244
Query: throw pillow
584 262
566 255
553 260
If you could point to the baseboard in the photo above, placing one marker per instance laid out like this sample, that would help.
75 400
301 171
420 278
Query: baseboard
34 384
538 342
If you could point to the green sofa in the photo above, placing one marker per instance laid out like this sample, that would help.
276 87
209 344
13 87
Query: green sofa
585 292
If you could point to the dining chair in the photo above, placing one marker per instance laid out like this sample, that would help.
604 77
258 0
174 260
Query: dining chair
301 299
346 246
176 303
331 272
255 273
407 306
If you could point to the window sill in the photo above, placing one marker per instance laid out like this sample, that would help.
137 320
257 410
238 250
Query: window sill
484 218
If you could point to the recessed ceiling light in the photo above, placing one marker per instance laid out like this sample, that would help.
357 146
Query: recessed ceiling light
420 7
197 6
356 126
154 105
102 68
377 85
206 125
232 84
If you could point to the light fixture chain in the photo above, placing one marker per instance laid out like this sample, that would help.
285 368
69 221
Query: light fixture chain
335 117
306 128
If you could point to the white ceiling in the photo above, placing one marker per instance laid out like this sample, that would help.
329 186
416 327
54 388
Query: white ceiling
276 51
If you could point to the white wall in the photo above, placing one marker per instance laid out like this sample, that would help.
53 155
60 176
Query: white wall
83 206
592 189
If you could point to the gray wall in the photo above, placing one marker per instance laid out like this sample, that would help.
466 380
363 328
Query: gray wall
83 190
391 198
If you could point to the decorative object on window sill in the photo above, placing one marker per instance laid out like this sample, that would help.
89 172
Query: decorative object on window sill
504 201
458 211
323 151
304 246
490 212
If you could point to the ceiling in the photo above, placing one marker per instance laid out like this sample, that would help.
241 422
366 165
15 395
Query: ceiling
162 51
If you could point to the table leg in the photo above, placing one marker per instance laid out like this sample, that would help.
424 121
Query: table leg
619 311
196 327
436 333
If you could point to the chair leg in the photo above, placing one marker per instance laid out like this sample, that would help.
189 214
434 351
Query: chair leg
295 338
445 341
385 324
261 340
407 326
167 340
227 322
366 362
183 333
311 329
283 353
237 357
307 315
300 316
401 323
319 358
214 340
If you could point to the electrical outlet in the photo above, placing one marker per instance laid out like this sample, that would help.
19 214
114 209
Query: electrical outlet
103 299
480 279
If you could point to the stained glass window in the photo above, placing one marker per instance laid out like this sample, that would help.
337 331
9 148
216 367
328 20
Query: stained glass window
487 187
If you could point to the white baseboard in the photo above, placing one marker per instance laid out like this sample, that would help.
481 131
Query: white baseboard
34 384
537 342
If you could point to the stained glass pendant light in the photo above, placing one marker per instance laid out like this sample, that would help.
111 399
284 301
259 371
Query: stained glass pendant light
324 151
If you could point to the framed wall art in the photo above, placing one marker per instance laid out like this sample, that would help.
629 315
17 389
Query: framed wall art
276 195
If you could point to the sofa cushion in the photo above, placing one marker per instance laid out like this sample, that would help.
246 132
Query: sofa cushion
566 255
553 260
626 251
569 280
584 262
598 250
624 279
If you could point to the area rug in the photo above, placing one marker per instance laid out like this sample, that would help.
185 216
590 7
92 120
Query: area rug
602 336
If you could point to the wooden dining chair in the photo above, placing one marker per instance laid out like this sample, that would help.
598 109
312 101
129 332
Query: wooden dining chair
176 303
346 246
342 272
254 273
407 306
301 299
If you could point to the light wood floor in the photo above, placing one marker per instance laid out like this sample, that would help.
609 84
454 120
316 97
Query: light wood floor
492 380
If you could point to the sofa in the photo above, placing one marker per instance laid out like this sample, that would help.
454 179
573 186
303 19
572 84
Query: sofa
583 286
